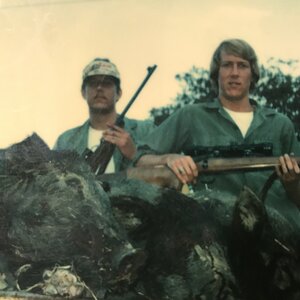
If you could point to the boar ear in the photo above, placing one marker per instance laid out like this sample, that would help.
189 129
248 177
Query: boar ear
249 216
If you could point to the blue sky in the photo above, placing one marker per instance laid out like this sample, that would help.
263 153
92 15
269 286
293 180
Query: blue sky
45 47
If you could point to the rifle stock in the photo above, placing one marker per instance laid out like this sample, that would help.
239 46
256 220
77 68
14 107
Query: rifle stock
215 165
163 176
99 159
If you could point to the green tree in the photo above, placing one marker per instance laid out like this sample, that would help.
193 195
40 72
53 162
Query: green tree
278 88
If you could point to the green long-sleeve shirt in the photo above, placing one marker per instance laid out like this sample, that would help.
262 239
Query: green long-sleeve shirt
77 139
208 124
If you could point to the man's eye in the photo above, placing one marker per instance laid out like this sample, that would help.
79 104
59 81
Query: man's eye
107 82
243 66
93 83
225 65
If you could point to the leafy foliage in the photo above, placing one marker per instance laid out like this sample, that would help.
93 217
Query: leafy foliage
278 88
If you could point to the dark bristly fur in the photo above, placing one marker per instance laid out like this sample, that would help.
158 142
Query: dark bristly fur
209 246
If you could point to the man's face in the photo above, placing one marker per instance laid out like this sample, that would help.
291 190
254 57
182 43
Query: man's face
101 93
234 77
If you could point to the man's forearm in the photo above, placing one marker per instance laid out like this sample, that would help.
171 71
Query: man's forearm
152 160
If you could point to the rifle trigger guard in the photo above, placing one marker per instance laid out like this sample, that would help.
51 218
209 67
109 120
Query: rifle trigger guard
207 179
205 164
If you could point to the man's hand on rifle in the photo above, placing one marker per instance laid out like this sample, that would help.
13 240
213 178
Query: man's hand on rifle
289 173
184 167
121 138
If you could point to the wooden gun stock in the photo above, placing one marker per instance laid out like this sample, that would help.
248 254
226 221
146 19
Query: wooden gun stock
215 165
99 159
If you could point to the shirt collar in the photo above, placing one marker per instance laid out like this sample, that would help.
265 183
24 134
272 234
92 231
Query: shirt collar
216 104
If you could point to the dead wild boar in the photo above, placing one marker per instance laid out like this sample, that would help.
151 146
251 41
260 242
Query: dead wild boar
201 246
54 212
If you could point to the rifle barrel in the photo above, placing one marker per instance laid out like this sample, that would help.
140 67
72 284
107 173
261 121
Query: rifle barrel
150 71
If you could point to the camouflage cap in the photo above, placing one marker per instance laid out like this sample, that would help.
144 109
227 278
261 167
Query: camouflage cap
100 66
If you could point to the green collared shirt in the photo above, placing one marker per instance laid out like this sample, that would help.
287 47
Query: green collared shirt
207 125
77 139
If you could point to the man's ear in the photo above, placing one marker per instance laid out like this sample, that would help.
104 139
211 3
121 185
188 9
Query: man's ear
119 95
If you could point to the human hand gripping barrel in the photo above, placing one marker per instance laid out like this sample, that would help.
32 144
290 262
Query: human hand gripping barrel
99 159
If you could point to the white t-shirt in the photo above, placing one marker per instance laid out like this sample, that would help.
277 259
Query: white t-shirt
242 119
94 139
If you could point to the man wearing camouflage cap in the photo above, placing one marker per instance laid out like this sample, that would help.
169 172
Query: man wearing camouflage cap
101 88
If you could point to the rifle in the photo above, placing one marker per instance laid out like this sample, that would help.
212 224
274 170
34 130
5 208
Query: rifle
215 165
99 159
162 175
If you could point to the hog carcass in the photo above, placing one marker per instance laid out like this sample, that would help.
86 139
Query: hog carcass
54 213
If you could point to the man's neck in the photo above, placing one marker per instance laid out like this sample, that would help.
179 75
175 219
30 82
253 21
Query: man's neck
242 105
99 120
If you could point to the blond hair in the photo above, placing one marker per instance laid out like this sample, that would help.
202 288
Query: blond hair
238 48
